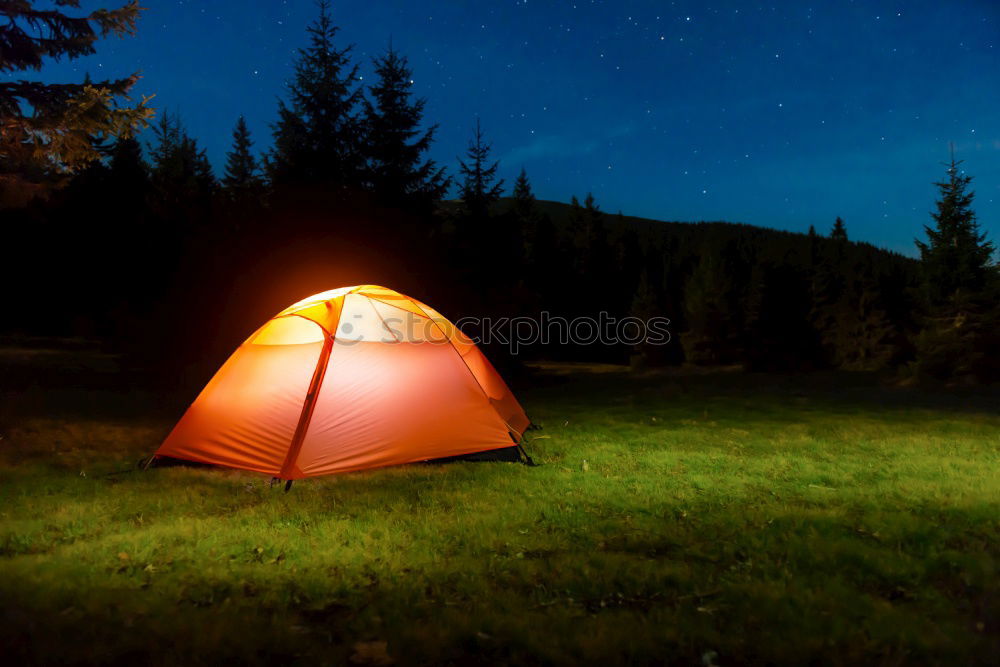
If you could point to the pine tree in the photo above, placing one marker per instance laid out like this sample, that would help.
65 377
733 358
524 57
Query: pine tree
956 257
127 166
479 188
961 285
839 231
182 177
398 172
242 175
128 177
318 136
526 216
524 198
50 129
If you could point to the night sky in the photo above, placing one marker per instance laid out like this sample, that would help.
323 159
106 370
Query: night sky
782 114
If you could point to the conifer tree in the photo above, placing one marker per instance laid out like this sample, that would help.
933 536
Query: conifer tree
524 198
956 257
128 177
128 168
839 231
398 172
480 188
318 136
182 176
525 216
242 175
51 129
961 289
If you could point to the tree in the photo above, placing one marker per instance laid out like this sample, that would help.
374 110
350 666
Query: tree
397 171
960 289
526 216
242 175
128 176
317 139
839 231
524 198
956 256
480 189
53 129
182 177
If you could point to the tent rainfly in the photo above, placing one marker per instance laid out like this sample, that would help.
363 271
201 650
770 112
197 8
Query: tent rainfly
348 379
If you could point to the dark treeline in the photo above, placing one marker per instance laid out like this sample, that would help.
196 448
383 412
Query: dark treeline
150 250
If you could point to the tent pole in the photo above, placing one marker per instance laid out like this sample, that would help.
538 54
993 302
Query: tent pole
307 410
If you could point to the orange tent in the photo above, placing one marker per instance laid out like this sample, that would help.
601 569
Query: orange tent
352 378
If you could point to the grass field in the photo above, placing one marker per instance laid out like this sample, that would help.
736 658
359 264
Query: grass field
700 520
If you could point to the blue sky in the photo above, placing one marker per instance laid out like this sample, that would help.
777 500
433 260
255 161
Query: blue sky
782 114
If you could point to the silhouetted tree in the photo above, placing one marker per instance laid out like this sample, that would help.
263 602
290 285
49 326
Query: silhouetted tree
318 137
480 187
128 172
960 288
957 257
839 231
398 172
182 178
52 129
242 176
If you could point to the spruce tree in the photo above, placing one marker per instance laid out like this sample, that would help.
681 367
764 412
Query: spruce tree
839 231
242 175
50 129
961 289
318 136
182 178
480 189
128 168
524 198
956 257
526 216
128 178
398 172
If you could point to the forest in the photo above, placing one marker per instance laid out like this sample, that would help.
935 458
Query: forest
140 238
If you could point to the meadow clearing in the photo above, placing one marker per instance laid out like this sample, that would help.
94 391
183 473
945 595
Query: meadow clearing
701 519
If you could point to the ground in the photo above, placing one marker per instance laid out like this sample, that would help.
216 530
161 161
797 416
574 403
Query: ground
699 519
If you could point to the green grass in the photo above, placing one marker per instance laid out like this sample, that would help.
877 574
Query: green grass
720 519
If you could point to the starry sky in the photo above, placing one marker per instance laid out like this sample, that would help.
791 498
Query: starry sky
782 114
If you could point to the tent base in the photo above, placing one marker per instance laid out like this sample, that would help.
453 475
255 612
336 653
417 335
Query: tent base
510 454
504 454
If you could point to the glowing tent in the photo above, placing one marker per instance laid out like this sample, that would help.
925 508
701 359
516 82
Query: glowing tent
352 378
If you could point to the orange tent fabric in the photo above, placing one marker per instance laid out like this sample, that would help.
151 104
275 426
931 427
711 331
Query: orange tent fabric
352 378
